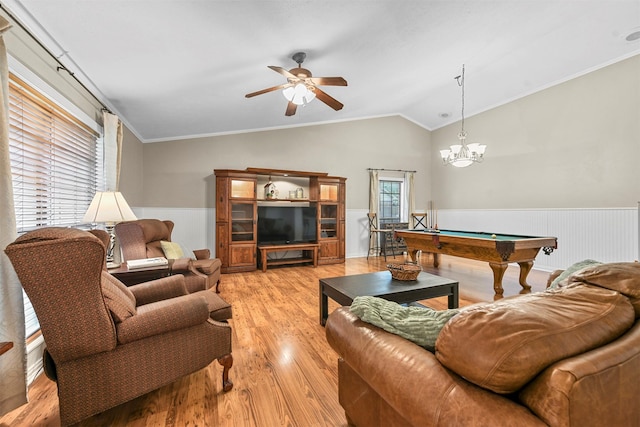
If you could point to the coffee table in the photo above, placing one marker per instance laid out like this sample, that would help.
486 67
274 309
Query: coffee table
380 284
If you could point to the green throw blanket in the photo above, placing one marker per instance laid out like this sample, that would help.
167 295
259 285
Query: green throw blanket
420 325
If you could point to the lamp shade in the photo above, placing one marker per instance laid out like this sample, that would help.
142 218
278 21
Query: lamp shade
108 207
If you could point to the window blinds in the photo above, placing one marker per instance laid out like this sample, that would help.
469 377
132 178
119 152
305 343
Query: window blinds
55 165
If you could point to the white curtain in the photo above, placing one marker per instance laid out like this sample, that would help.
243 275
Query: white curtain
410 197
13 364
112 149
373 203
373 191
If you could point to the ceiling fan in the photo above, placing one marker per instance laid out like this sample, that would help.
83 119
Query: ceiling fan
301 87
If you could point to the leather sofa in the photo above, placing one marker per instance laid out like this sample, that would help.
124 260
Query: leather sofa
568 356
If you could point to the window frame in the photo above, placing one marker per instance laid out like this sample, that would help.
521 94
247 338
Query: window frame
53 105
401 199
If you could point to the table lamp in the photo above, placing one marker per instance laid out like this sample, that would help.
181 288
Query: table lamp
109 207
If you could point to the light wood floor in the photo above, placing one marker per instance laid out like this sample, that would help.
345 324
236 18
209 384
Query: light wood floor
284 372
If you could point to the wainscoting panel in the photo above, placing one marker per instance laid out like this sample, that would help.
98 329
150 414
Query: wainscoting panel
357 225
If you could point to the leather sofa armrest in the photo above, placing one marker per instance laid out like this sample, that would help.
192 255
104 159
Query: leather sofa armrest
159 289
591 388
164 316
412 381
202 253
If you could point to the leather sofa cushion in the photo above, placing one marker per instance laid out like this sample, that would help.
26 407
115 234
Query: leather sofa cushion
623 277
503 345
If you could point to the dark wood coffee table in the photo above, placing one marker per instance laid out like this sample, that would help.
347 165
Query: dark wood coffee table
380 284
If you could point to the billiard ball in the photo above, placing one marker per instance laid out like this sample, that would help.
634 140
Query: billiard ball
493 236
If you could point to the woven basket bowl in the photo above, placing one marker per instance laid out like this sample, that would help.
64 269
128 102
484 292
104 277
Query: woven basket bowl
404 272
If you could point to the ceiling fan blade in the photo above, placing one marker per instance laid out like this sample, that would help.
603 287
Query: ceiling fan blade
327 99
328 81
284 72
291 109
270 89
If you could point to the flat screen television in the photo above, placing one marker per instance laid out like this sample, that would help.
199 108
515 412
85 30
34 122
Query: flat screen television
281 225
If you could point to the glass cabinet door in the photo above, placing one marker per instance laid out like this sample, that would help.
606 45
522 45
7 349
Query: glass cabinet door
243 189
329 192
328 221
242 222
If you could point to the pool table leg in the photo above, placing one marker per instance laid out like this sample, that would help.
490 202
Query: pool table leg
436 260
498 273
525 268
413 253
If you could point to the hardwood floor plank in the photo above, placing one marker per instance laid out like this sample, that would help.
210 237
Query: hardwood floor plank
284 372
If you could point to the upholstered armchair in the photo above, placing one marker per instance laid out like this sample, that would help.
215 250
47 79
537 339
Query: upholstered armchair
145 238
108 343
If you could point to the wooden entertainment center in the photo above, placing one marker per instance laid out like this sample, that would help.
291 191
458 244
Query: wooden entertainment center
240 192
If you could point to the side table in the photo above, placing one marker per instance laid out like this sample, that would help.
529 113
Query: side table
139 275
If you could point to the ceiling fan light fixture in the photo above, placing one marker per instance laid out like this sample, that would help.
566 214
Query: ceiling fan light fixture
298 94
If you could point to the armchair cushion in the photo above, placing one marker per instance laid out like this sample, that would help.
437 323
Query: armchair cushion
159 289
164 316
503 345
120 301
172 250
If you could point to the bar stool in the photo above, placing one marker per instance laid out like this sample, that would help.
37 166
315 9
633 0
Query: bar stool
373 231
419 220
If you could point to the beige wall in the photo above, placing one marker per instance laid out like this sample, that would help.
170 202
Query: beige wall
180 173
575 145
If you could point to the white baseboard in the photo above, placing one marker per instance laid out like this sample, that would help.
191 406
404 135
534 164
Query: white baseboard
34 358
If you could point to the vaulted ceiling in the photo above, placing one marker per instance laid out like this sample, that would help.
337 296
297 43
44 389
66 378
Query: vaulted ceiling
181 68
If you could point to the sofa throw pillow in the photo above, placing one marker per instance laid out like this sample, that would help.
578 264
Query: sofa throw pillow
420 325
172 250
572 269
503 345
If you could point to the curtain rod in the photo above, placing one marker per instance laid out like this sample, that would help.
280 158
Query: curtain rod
390 170
61 66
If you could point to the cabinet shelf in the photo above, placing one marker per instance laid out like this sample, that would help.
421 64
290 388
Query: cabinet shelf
282 200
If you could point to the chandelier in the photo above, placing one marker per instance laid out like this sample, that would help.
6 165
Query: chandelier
463 154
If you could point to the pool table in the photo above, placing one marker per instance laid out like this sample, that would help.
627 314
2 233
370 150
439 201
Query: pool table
498 249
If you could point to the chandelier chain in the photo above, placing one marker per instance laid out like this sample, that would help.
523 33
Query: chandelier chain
462 84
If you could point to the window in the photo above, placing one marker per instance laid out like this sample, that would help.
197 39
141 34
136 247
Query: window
390 198
55 164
